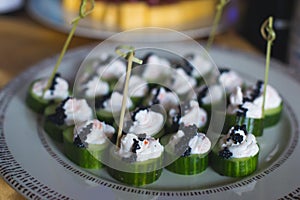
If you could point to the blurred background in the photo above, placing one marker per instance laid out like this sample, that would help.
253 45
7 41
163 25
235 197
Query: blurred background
242 16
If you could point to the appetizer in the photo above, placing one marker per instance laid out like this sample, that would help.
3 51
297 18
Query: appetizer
236 154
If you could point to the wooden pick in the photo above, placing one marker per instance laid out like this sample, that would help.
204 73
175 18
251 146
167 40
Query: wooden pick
126 52
220 8
83 12
269 35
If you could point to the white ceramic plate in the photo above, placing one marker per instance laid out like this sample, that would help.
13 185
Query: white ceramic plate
50 14
36 167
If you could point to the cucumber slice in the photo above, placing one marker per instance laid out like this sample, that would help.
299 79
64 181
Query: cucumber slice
164 140
86 158
253 125
189 165
233 167
106 116
136 100
146 171
34 102
53 130
272 116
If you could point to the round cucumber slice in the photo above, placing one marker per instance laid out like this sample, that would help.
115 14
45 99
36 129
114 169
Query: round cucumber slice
106 116
233 167
53 130
188 165
134 173
253 125
272 116
34 102
84 157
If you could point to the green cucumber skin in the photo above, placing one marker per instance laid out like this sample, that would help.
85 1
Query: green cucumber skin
105 116
254 126
233 167
128 176
35 103
81 156
136 101
272 116
189 165
54 131
135 179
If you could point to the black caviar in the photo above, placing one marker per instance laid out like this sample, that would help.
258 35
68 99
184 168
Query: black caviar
182 147
54 82
225 153
59 116
80 138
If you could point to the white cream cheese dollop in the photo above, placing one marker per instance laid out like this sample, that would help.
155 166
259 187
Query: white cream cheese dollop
236 100
61 89
199 144
147 121
167 99
114 103
230 80
182 82
137 87
77 111
214 94
96 87
149 148
201 65
273 99
194 115
246 148
113 70
156 69
98 134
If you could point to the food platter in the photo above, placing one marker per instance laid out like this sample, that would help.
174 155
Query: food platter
36 167
51 14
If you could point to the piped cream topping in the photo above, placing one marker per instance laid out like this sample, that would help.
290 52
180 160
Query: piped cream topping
201 66
167 99
137 87
214 94
98 134
61 89
148 148
195 115
156 69
199 144
112 71
147 121
236 97
77 111
182 83
96 87
114 103
230 80
245 148
273 100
